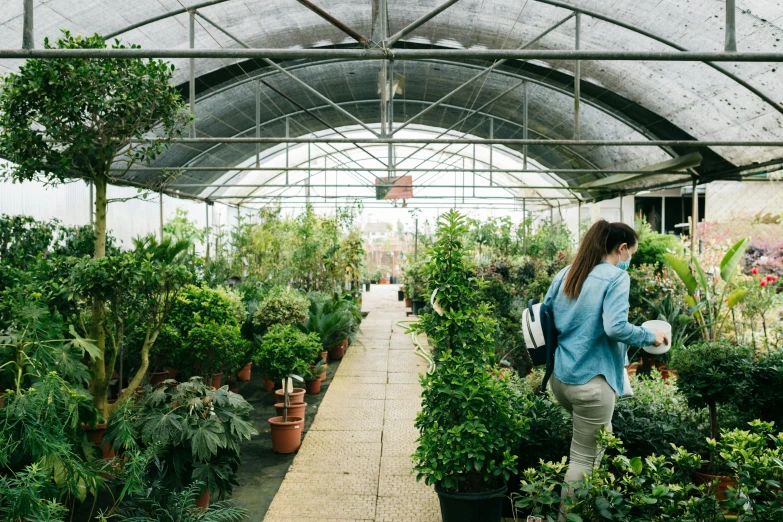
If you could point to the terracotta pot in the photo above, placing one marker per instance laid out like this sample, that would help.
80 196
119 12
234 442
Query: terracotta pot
323 356
668 375
313 387
235 389
294 410
95 435
2 401
322 375
216 380
295 397
173 373
722 486
286 436
337 352
244 373
269 385
202 502
408 303
158 377
345 343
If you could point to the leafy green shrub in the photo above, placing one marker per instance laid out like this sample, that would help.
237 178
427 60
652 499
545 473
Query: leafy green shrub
285 350
329 321
158 504
281 306
214 348
655 418
549 240
195 432
714 372
467 425
652 247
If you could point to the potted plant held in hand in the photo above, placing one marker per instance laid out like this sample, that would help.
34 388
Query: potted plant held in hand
467 425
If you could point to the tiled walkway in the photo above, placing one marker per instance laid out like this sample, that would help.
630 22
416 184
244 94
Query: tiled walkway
355 461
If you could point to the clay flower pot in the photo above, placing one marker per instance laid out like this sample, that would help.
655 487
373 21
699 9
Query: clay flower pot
235 389
294 410
408 302
158 377
95 435
244 373
722 486
322 375
313 387
324 354
295 397
269 385
216 380
173 373
286 436
337 352
2 401
202 502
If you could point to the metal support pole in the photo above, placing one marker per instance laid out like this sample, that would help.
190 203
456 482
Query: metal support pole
491 147
309 174
663 214
335 22
524 226
206 232
577 77
525 123
192 71
579 221
160 212
258 125
28 34
694 219
418 23
473 169
731 27
416 243
287 146
622 213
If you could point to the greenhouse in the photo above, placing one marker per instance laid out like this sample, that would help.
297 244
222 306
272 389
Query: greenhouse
391 261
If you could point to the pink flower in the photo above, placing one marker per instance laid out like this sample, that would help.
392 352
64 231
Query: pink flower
770 278
763 282
755 271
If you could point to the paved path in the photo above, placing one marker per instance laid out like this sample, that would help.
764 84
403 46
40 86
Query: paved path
354 463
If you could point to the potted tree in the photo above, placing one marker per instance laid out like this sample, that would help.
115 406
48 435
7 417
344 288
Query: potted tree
214 349
333 322
89 144
712 373
284 350
282 306
467 425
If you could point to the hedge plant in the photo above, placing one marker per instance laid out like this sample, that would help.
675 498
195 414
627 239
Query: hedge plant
285 350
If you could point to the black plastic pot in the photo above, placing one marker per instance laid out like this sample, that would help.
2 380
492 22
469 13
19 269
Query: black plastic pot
366 287
416 304
471 507
400 295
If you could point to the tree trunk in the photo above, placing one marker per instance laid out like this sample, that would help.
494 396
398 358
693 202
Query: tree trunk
100 383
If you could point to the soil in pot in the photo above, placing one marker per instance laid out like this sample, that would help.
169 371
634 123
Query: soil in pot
216 380
295 397
294 410
95 435
244 373
269 385
313 387
471 507
286 436
158 377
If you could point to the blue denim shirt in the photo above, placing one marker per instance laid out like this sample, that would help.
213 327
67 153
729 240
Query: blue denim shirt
593 329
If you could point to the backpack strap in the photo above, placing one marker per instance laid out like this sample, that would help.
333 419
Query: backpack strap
551 336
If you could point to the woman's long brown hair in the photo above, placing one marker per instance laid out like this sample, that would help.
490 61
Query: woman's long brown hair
600 240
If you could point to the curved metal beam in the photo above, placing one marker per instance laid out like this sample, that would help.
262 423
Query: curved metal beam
555 3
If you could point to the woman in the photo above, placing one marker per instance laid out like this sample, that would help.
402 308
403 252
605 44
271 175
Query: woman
590 304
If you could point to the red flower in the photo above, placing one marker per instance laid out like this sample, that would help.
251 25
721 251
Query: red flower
770 277
763 282
755 271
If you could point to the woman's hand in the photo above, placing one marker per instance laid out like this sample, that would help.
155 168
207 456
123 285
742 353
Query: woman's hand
660 338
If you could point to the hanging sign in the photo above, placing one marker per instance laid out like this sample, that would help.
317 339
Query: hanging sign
387 188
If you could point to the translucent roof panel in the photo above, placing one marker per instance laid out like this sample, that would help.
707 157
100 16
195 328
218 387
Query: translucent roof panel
620 100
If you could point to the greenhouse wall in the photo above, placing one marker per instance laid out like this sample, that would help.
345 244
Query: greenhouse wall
756 200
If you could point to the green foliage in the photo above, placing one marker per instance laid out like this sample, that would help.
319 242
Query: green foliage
86 112
655 419
549 241
653 246
212 348
330 320
285 350
195 432
651 489
467 425
414 281
650 287
282 306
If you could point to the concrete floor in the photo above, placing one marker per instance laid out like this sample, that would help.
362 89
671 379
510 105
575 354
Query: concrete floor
354 463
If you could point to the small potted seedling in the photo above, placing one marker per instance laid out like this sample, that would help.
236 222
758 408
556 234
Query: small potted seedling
313 381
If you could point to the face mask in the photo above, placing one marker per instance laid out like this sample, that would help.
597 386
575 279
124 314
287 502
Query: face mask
623 265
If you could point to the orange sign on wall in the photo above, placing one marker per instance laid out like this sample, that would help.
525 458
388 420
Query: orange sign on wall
399 187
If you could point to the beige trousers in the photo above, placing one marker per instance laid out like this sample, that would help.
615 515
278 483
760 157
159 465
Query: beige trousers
591 406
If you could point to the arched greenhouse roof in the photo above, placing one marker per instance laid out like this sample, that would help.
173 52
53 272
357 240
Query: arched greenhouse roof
618 100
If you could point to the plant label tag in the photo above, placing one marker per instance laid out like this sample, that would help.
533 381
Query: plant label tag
531 518
296 427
